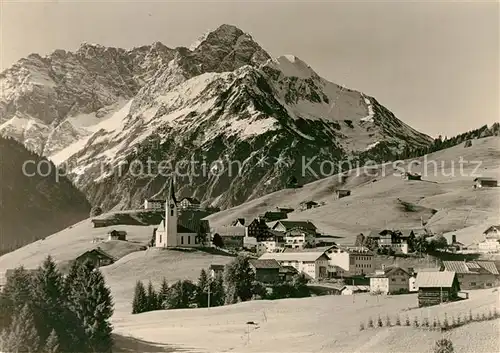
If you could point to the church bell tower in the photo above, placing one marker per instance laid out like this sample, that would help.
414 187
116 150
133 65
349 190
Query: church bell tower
171 216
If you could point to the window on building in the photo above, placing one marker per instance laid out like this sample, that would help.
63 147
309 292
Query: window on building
182 239
488 285
189 239
171 213
473 283
393 280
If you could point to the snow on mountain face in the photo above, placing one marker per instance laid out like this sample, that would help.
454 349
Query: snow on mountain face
223 97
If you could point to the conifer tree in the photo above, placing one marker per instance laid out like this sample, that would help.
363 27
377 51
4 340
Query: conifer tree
202 290
217 294
181 295
163 293
52 344
140 299
151 298
50 306
238 274
92 302
23 335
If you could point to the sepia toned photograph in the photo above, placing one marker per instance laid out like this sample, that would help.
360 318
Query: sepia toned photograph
249 176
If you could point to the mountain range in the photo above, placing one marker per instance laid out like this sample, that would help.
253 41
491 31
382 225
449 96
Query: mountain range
100 112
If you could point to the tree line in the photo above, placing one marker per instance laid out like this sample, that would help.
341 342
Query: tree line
236 284
44 311
441 144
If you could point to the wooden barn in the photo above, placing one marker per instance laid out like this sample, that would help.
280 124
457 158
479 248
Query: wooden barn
485 183
342 193
435 288
97 256
117 235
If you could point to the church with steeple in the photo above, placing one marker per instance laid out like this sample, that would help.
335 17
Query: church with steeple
181 228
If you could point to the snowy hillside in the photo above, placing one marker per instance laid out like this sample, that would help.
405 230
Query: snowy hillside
224 98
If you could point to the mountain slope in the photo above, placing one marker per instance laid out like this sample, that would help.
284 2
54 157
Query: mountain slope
32 207
223 101
444 199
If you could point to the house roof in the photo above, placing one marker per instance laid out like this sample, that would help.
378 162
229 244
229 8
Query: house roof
264 263
191 200
308 203
156 200
489 266
238 221
293 256
297 224
490 228
470 267
275 214
117 232
229 231
288 269
485 179
435 279
349 249
99 251
216 267
342 191
322 249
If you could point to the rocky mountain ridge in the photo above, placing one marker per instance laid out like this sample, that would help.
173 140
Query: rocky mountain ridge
224 99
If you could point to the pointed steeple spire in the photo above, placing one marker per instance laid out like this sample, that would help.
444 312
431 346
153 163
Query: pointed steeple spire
171 190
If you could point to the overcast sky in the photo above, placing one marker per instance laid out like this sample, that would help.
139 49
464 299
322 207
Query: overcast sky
435 65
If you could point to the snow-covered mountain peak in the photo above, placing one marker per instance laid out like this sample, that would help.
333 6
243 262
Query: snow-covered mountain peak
223 96
292 66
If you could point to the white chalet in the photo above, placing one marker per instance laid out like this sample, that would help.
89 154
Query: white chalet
154 204
312 264
349 260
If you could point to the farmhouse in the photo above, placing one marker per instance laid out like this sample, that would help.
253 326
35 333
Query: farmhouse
266 271
474 274
117 235
390 280
307 205
491 241
342 193
298 238
312 264
284 226
154 204
395 240
180 229
257 228
270 241
97 256
238 222
272 216
492 232
100 223
485 182
232 236
349 260
284 209
437 287
412 176
353 289
189 203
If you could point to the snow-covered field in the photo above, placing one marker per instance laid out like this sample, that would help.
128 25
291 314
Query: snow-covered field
318 324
